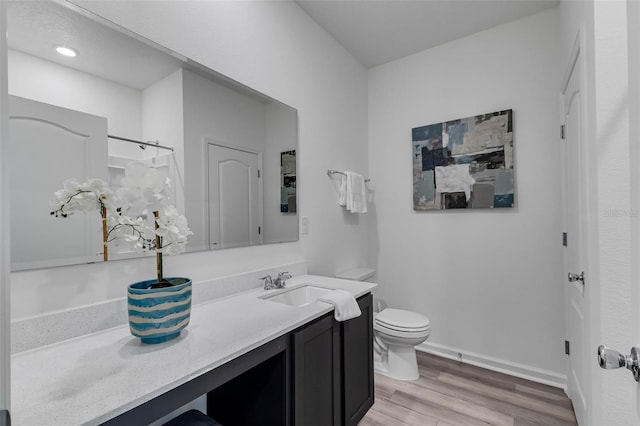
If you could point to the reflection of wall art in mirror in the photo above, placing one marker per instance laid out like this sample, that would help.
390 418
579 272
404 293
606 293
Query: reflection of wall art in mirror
134 88
464 164
288 181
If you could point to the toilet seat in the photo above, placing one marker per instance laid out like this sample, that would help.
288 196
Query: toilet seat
399 320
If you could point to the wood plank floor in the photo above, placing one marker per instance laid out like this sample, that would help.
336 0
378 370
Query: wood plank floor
452 393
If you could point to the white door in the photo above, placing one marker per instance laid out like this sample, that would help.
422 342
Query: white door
47 145
234 199
575 211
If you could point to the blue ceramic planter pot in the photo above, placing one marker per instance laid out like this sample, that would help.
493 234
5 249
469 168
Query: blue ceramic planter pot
159 314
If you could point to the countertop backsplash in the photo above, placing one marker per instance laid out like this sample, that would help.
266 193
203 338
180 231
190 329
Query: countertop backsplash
33 332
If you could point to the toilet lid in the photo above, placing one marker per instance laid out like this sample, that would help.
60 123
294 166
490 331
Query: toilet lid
399 319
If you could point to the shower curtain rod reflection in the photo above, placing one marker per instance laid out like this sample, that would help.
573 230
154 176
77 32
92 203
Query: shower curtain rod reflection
142 145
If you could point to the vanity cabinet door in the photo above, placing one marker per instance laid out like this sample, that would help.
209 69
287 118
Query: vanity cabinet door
357 362
316 365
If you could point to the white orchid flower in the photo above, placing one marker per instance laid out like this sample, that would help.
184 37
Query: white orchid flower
131 211
174 230
92 194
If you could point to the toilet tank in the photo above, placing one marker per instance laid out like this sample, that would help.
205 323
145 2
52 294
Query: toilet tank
357 274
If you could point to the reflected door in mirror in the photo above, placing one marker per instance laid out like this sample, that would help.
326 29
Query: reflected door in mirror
235 215
49 145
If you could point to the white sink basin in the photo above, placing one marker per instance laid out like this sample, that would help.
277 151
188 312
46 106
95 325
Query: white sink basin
299 296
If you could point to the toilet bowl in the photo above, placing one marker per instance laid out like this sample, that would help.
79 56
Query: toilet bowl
397 332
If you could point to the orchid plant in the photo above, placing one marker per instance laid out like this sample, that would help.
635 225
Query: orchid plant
84 197
138 213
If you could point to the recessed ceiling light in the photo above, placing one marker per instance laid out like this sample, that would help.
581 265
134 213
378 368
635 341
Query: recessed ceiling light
66 51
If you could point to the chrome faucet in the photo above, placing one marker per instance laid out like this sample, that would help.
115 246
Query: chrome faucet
281 280
268 282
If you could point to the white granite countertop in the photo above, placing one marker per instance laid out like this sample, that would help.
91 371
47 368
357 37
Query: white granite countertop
93 378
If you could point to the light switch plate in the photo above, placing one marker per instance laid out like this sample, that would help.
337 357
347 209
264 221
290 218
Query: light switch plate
304 225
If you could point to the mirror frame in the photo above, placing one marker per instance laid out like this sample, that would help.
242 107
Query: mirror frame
5 249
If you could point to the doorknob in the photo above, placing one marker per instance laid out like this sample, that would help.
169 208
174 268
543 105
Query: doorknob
576 277
609 359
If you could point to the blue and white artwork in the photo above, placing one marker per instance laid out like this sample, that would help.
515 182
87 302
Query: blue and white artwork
464 164
288 203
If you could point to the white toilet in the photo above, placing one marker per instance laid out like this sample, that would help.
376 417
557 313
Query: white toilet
396 334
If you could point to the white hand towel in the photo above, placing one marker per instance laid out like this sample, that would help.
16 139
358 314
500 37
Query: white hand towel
356 193
342 196
346 306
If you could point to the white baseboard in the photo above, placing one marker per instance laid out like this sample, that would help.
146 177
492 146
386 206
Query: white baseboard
495 364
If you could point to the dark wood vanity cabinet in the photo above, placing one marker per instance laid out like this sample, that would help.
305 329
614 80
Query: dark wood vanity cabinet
333 369
316 374
357 363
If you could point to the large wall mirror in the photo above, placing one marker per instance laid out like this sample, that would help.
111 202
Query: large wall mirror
123 99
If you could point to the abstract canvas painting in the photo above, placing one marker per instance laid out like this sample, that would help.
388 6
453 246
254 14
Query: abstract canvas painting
288 182
464 164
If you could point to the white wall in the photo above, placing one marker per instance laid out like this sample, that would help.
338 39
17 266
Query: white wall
216 114
491 280
281 135
188 107
277 49
163 121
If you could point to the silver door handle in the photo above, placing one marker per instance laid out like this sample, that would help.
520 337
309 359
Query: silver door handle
609 359
576 277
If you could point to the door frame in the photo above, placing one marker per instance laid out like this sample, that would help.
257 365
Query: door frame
206 141
633 46
633 28
5 275
591 324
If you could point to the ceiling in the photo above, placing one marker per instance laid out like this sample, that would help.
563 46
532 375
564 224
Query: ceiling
373 31
379 31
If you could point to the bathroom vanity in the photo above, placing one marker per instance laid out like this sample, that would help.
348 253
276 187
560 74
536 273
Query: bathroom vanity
321 374
257 360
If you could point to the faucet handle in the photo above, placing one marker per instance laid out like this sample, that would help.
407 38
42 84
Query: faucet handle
281 280
268 282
